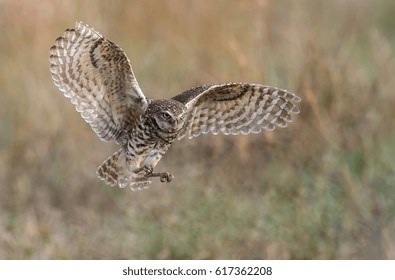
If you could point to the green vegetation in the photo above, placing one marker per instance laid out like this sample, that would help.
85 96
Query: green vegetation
323 188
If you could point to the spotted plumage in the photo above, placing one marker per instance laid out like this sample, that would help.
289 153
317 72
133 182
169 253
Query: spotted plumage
98 78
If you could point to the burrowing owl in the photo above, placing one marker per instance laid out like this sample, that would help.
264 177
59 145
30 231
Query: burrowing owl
97 76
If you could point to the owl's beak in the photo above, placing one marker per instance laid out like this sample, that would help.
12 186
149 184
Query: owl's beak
177 124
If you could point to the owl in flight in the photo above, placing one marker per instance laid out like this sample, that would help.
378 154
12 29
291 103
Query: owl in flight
96 75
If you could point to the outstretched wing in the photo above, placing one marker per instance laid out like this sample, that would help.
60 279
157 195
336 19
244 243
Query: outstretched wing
236 108
97 76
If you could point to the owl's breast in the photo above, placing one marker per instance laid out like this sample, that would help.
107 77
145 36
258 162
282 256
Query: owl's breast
155 154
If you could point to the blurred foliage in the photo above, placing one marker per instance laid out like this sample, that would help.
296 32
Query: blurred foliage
323 188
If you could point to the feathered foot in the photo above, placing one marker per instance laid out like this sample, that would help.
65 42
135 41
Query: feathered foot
165 177
147 172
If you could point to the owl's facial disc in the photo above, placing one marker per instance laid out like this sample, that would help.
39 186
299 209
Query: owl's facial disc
168 122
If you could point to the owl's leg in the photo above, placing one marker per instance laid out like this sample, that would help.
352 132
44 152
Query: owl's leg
148 169
165 177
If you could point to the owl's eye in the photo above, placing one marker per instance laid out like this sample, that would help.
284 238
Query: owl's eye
166 115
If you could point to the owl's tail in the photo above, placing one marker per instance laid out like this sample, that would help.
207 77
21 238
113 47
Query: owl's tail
113 170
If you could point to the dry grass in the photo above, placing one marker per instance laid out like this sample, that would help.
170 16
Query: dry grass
324 188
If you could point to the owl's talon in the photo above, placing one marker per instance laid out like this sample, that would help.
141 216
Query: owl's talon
148 170
166 177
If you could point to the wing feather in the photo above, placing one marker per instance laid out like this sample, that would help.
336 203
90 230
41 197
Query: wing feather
97 77
236 108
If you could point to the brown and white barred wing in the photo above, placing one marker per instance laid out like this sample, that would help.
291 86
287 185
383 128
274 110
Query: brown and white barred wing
236 109
98 78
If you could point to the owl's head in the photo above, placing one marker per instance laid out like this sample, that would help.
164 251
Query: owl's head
168 115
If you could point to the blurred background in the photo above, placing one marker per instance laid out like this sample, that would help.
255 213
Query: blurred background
323 188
